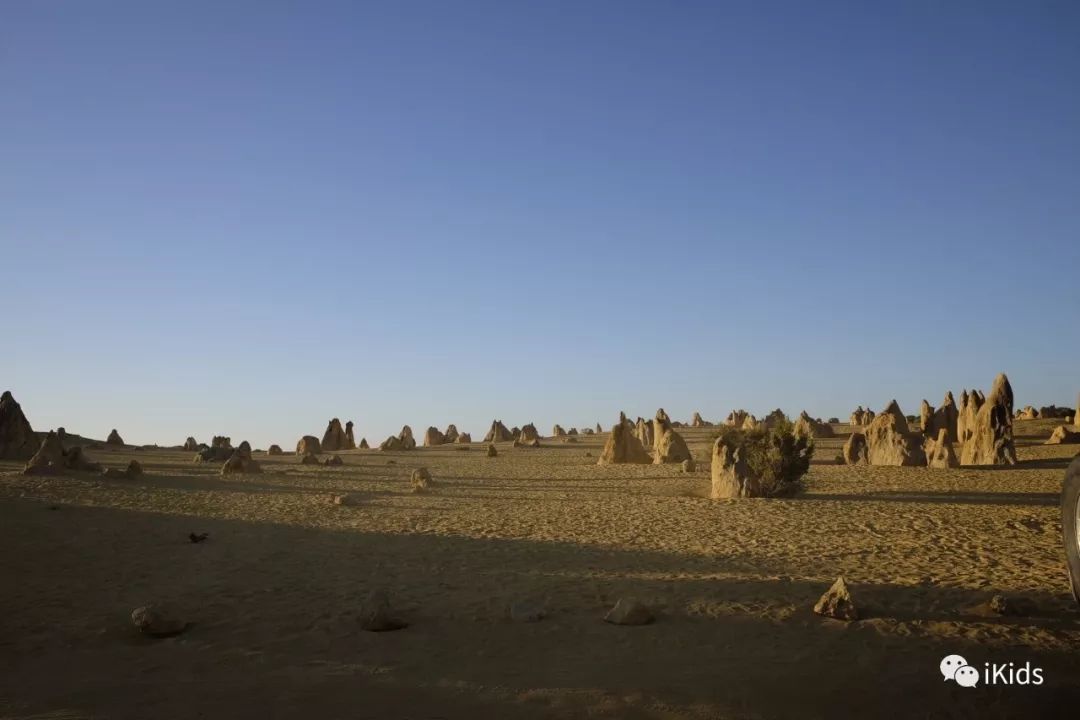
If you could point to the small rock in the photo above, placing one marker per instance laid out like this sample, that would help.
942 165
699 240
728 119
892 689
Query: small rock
309 459
157 621
376 615
1013 606
629 612
688 465
837 602
333 461
421 479
491 451
526 612
348 500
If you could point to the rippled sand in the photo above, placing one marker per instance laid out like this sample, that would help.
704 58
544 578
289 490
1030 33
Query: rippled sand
274 592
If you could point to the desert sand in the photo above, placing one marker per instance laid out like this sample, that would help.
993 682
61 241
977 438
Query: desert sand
273 594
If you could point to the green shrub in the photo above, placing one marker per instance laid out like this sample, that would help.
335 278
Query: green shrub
776 456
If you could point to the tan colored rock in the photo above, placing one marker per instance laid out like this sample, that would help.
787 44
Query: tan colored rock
420 479
434 437
697 421
837 602
52 459
190 445
939 452
408 442
463 439
644 431
808 426
528 437
309 459
498 433
599 430
333 461
451 434
736 418
622 446
274 450
392 443
945 418
926 419
308 445
350 439
1028 413
114 438
491 451
991 441
855 452
750 423
334 437
364 444
1063 435
629 612
558 431
969 411
131 472
889 441
241 462
669 446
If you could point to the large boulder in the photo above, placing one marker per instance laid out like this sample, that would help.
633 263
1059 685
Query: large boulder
889 441
498 433
17 438
364 444
558 431
939 451
51 458
308 445
926 419
114 438
623 446
463 438
334 437
837 602
274 450
408 442
190 445
991 441
669 446
697 421
350 439
451 434
433 436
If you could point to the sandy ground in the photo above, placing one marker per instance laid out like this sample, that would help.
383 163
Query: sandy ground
273 594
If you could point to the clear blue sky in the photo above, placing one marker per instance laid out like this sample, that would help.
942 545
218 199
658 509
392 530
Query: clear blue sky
248 217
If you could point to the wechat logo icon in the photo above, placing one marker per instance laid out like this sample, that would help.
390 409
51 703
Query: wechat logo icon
955 668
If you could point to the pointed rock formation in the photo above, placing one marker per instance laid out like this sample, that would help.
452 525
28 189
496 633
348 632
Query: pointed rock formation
939 452
697 421
558 431
810 427
190 445
334 437
991 441
669 445
392 443
491 451
498 433
463 439
889 441
406 437
945 418
527 437
837 602
364 444
926 419
644 431
17 438
969 411
1028 413
51 458
599 430
736 418
350 440
309 444
451 434
622 446
114 438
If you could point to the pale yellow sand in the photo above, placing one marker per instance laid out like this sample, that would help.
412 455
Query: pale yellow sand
274 592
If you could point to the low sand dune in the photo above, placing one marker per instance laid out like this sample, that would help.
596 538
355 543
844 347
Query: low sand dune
274 592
